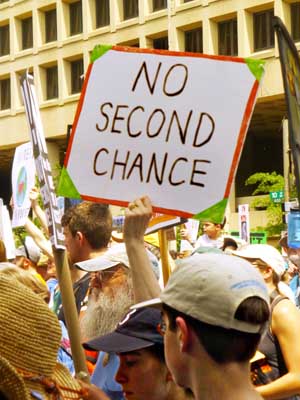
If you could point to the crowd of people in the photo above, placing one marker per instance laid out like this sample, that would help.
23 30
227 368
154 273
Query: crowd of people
225 326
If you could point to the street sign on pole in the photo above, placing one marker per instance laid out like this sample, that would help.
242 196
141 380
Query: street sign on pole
277 197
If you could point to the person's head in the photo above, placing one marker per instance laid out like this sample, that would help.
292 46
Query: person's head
268 261
211 229
29 340
215 309
28 255
111 290
87 228
229 245
293 254
111 295
3 257
142 372
26 278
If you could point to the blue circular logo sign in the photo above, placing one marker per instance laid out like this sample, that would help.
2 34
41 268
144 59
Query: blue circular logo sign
21 186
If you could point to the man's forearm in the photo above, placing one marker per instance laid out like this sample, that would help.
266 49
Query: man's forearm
145 284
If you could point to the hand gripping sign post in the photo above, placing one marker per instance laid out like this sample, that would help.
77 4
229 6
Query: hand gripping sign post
167 124
53 218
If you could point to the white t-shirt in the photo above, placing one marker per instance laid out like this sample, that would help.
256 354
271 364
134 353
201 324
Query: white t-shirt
205 241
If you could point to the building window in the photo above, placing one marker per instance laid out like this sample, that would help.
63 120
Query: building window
263 30
193 40
102 13
295 13
75 18
4 94
130 8
50 26
159 5
76 76
4 40
51 83
161 43
27 33
228 42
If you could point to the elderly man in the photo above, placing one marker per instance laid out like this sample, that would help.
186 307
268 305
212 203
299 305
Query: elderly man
108 293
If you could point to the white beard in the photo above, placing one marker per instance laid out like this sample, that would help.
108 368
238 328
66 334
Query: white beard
105 311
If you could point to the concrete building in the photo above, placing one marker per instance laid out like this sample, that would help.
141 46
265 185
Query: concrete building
53 39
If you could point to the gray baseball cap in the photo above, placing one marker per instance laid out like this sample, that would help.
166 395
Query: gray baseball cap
29 250
210 288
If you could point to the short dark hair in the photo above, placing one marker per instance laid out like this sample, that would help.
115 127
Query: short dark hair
229 242
157 350
93 220
227 345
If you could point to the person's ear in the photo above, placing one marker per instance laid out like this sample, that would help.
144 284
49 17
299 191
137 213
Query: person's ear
26 263
184 334
79 236
267 272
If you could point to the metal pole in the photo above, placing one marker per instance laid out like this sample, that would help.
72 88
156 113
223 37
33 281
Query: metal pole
286 159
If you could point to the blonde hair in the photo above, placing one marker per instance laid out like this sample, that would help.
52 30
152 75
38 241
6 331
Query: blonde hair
27 279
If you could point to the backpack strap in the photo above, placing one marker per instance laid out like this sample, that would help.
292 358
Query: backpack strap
276 300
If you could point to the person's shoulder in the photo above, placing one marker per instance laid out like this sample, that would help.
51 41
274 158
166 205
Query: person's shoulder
283 306
285 314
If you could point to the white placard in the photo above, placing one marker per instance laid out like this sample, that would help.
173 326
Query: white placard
166 124
23 180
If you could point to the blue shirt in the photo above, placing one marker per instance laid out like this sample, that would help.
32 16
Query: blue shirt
295 286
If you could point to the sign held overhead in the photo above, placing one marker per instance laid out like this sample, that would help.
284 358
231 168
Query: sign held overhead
167 124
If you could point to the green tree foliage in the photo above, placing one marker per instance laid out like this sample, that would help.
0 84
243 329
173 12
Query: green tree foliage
265 183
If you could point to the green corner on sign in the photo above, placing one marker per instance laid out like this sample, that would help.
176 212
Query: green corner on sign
66 187
99 50
214 213
257 67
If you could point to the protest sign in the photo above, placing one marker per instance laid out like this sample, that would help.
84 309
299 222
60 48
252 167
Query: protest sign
161 221
290 67
167 124
22 179
158 221
42 164
6 234
43 169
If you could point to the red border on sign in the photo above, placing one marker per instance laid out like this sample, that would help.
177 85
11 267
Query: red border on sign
241 137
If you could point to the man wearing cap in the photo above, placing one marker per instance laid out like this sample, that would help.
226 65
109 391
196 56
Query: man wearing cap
209 338
142 372
27 257
215 309
87 229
